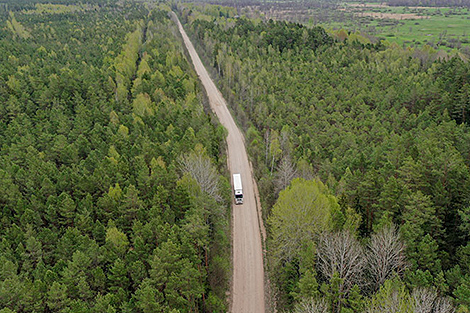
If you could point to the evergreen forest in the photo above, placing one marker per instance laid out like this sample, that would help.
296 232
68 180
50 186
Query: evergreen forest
111 193
361 153
114 189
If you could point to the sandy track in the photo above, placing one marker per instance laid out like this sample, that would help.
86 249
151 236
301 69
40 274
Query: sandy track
248 271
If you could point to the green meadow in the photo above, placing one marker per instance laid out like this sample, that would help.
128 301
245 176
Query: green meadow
443 28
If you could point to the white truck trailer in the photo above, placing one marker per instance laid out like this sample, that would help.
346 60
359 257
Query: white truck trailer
237 188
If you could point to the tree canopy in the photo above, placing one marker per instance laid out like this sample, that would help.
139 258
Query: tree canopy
98 105
385 128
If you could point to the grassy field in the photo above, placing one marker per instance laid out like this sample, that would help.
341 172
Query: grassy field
443 28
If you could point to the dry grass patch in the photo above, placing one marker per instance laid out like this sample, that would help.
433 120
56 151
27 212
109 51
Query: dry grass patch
394 16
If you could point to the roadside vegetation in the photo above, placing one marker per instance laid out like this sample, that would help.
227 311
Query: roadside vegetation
361 151
103 136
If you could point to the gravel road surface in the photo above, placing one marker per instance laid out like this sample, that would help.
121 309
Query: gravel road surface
247 293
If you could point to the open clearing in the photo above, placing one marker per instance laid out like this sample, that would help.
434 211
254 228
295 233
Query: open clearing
441 27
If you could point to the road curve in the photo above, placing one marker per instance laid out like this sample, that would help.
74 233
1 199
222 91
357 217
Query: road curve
248 272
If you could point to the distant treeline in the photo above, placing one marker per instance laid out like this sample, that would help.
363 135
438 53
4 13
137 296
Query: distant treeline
13 5
270 4
328 3
430 3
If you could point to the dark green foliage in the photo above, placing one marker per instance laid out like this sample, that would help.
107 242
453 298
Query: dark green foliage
279 35
454 79
95 213
385 129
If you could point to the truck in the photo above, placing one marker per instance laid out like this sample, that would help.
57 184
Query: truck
237 188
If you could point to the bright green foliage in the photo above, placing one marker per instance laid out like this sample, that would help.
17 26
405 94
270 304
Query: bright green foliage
17 28
462 292
96 108
126 61
392 297
116 241
385 128
142 105
302 212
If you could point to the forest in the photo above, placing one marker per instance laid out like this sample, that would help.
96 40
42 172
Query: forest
361 153
115 194
430 3
443 25
112 172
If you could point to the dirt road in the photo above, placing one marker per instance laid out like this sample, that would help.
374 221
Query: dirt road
248 271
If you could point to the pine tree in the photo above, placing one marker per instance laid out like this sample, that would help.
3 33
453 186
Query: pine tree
57 299
118 276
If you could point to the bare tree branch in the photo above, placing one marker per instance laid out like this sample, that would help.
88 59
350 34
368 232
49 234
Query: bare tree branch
198 164
385 255
341 253
423 300
285 173
311 306
443 305
428 301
